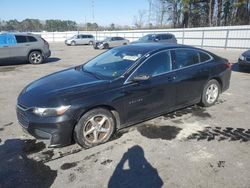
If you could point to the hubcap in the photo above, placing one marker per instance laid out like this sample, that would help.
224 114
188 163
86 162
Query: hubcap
212 93
36 58
97 129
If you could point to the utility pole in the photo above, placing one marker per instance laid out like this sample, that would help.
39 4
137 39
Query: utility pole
93 11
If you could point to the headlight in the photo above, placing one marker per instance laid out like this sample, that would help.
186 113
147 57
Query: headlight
46 112
242 57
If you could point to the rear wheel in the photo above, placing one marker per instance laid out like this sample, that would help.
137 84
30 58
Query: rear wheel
35 57
94 128
73 43
90 42
210 93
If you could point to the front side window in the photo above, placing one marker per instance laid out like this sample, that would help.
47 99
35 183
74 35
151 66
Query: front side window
21 39
186 57
157 64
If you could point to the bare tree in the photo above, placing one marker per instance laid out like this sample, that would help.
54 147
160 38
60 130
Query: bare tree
139 20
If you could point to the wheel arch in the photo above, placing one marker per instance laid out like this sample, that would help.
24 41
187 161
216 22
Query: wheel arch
218 79
107 107
33 50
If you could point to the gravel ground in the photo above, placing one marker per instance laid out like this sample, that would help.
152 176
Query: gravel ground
193 147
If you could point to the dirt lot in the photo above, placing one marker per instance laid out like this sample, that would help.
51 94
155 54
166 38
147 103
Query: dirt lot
193 147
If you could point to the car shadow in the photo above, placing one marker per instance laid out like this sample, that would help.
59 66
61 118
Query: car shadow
236 68
17 170
139 173
4 63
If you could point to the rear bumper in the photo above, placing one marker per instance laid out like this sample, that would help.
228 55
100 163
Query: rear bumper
225 78
47 54
58 131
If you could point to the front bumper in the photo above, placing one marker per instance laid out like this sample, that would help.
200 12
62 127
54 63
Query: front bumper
244 62
57 130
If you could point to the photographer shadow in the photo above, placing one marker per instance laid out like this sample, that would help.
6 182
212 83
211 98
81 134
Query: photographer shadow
139 174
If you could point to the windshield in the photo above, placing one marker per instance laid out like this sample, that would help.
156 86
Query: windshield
112 63
73 37
147 37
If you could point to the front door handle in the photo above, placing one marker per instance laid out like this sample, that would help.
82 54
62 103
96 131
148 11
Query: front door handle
171 78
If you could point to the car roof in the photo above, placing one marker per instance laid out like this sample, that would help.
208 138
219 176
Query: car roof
151 47
20 33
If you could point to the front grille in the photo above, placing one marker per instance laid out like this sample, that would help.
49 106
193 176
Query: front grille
22 119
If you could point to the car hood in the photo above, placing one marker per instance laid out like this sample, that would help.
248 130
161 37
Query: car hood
246 53
60 87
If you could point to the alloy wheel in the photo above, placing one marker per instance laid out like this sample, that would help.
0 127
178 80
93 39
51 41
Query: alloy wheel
97 129
212 93
36 58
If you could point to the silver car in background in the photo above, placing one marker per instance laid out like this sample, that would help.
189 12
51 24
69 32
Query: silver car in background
110 42
23 46
80 39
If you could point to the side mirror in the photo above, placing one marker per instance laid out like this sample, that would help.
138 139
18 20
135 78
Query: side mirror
139 78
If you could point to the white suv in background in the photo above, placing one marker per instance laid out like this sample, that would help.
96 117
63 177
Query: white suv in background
80 39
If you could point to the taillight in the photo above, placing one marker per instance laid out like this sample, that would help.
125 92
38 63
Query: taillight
45 42
228 64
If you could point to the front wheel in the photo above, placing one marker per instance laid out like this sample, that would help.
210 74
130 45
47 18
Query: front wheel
35 57
94 128
73 43
106 46
210 93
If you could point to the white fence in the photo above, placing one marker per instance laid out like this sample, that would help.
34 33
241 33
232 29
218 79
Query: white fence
217 37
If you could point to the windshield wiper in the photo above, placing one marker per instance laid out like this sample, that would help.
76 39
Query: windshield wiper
92 73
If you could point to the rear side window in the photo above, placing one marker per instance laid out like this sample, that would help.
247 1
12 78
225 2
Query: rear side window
155 65
166 37
21 39
185 57
204 57
31 39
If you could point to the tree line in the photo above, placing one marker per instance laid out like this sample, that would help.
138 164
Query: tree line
36 25
33 25
193 13
160 14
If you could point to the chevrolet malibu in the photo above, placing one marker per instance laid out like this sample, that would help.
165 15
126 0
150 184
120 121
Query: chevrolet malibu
121 87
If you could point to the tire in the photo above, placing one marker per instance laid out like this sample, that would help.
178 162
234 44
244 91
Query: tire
36 57
210 93
106 46
73 43
95 127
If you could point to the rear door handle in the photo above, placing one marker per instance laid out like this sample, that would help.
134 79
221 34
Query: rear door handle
171 78
27 45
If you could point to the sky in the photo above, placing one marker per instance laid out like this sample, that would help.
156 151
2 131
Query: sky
120 12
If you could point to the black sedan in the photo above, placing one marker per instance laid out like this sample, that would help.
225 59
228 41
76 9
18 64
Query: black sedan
120 87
